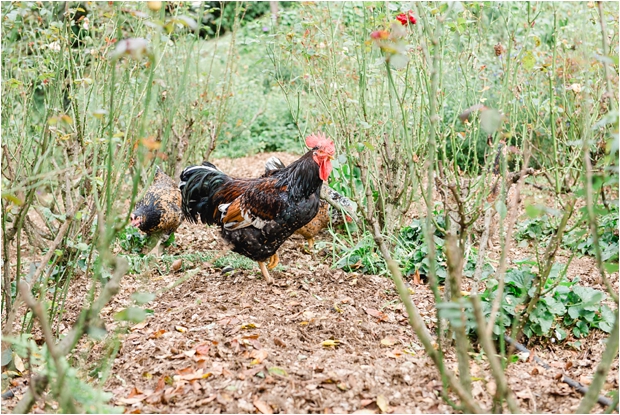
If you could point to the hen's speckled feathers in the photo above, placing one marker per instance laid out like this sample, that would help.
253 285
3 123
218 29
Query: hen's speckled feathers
159 211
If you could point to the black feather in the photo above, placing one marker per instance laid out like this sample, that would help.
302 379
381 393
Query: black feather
198 186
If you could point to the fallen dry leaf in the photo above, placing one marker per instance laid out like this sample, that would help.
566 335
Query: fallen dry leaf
279 342
189 374
19 363
330 343
134 392
180 329
139 326
263 407
394 354
389 341
376 314
203 349
157 334
258 356
366 402
382 403
491 388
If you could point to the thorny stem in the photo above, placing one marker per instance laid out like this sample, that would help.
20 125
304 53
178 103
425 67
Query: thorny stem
512 217
494 362
65 346
416 322
590 204
454 254
610 92
547 264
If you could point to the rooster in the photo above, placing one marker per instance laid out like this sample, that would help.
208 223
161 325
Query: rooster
158 214
256 216
334 214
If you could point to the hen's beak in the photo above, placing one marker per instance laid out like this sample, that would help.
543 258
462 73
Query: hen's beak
135 220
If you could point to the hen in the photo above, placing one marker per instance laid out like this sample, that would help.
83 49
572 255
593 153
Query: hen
256 216
327 214
158 214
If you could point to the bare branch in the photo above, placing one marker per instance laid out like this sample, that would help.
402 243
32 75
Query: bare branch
66 345
489 349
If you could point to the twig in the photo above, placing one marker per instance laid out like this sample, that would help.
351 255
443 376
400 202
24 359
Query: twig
40 313
484 240
454 256
59 237
604 61
512 217
494 362
590 205
614 403
573 383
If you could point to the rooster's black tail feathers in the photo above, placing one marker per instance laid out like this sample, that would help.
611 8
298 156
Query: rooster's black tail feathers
198 185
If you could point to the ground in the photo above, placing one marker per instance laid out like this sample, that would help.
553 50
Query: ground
318 340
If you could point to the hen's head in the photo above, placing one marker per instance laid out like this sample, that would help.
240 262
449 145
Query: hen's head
323 151
136 220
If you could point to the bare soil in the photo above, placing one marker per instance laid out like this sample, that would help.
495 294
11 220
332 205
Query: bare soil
317 341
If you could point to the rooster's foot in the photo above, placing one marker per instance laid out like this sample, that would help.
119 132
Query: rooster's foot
273 261
263 270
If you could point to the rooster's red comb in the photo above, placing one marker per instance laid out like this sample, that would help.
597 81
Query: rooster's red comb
321 141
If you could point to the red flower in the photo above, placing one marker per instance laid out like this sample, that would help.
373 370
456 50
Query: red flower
406 18
380 34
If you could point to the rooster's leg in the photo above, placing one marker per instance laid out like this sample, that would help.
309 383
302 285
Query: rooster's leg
273 261
263 270
310 244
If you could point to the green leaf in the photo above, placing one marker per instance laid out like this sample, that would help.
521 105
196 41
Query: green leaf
7 356
560 333
590 297
543 318
132 314
399 60
607 319
610 267
554 306
277 371
528 61
143 298
97 333
581 329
